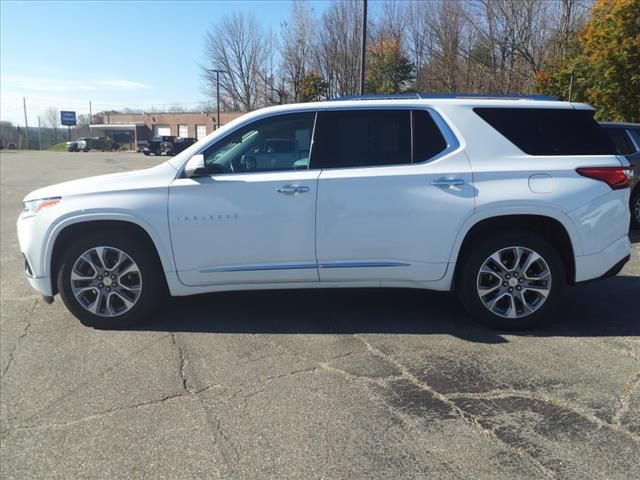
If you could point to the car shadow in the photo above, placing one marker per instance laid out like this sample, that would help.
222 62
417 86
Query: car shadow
634 236
606 308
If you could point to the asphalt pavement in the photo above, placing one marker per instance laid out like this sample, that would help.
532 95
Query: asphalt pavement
315 384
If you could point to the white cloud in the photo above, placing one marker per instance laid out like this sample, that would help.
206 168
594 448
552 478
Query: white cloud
128 84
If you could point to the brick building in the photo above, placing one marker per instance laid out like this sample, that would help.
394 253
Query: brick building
127 128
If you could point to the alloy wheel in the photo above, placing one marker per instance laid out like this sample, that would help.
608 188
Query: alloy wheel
514 282
106 281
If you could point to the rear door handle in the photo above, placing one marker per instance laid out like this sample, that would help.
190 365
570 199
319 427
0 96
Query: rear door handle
448 182
292 189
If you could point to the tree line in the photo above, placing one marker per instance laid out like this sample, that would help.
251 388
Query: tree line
470 46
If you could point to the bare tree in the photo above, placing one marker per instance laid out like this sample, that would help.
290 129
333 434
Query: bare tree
52 121
237 46
391 23
271 88
298 42
493 46
338 53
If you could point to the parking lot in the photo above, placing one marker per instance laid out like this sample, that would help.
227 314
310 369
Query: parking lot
310 384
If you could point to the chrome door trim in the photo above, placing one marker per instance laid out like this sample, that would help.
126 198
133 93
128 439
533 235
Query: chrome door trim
374 263
303 266
259 267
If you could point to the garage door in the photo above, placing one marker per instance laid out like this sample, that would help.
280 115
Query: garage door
183 131
161 130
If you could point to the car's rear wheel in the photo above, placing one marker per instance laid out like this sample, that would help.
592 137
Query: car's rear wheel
511 281
110 281
635 208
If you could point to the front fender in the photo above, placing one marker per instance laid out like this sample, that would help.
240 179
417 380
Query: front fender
160 241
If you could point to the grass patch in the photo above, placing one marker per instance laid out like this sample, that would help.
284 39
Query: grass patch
58 147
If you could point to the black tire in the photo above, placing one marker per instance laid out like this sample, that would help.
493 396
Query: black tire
634 205
85 150
469 271
153 289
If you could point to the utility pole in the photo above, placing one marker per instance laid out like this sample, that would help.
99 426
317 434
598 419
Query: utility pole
90 120
571 86
217 72
363 45
26 124
39 135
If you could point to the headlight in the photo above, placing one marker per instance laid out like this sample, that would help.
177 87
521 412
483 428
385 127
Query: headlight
32 207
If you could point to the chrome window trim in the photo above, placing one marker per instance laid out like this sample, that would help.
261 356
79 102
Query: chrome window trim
450 137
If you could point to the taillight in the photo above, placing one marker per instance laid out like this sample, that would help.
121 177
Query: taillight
615 177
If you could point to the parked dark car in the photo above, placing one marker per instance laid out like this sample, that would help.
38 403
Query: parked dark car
73 146
168 145
181 143
626 137
159 145
85 144
141 145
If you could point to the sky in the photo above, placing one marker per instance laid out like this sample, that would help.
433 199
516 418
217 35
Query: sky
116 54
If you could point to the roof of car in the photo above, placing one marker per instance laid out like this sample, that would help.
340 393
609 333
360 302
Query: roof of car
423 102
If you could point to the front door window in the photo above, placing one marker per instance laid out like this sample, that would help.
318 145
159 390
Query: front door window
274 144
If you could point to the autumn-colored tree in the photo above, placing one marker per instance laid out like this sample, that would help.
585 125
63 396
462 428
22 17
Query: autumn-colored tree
603 67
313 87
388 69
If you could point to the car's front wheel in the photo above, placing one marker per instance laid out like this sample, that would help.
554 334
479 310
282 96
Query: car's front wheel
110 281
511 281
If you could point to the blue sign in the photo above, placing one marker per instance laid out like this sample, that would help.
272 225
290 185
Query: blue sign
68 118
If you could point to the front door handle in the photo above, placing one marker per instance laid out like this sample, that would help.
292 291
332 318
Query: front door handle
292 189
448 182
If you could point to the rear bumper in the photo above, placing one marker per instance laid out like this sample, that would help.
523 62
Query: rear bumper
603 264
612 272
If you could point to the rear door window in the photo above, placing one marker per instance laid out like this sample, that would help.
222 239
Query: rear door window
362 138
549 131
369 138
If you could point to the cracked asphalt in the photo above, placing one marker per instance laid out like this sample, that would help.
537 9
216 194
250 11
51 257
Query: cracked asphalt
324 384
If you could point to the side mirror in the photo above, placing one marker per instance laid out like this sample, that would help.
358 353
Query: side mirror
195 167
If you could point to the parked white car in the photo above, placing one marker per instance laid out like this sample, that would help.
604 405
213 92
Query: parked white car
504 201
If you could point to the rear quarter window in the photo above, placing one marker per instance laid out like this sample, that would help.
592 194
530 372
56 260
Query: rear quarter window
549 131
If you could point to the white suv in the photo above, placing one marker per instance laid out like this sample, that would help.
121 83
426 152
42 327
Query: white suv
504 201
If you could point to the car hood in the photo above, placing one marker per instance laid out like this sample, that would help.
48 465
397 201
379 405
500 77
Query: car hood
160 175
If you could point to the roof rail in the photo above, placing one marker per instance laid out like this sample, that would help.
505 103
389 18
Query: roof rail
427 95
380 96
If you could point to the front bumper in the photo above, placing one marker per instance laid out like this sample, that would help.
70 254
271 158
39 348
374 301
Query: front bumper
32 252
